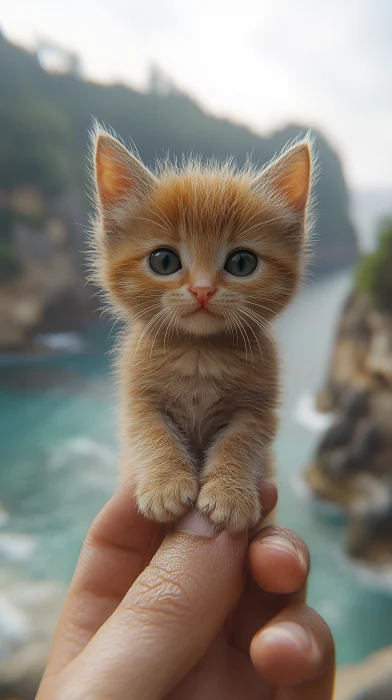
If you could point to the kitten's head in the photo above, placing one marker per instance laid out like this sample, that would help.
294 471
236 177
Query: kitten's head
202 249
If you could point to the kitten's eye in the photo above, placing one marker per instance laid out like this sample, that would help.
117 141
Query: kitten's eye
241 263
164 261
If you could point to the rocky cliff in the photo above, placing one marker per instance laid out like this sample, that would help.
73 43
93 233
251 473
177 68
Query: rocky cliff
353 462
41 285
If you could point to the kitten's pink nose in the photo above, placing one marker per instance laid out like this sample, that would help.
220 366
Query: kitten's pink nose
202 293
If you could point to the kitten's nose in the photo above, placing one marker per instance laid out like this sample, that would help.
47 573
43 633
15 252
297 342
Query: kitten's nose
202 294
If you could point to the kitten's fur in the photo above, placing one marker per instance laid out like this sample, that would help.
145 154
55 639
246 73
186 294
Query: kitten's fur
199 391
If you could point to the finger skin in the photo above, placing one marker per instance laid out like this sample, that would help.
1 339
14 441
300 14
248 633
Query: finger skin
303 669
167 620
278 567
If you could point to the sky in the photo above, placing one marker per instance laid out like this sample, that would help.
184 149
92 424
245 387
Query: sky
322 63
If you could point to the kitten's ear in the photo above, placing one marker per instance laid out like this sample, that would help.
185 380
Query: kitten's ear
290 176
119 176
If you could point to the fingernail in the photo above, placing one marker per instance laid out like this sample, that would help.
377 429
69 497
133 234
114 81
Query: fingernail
195 523
280 543
287 633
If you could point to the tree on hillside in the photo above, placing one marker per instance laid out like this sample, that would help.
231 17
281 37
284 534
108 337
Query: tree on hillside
374 273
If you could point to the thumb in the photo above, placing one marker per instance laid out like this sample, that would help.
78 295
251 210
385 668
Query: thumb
169 617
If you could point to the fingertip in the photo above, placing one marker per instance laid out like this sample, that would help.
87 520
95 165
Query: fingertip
285 654
278 561
296 651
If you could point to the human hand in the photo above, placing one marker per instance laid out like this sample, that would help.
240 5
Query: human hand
190 615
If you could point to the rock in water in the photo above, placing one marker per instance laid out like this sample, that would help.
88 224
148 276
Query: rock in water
353 461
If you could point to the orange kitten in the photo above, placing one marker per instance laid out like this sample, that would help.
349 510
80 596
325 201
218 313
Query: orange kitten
198 261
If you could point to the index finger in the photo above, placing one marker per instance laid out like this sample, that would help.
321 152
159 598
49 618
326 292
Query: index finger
117 548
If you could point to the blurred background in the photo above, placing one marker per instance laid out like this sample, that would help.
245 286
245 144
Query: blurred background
215 79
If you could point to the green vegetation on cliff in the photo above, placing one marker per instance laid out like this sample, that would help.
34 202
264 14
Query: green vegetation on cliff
374 271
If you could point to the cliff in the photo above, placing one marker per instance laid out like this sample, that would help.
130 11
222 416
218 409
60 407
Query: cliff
44 122
353 462
42 287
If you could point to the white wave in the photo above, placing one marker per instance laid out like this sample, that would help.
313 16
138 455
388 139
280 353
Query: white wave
307 415
372 576
80 446
28 614
14 624
61 342
86 465
16 547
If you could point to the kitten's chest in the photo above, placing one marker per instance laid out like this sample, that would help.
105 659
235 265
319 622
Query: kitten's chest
199 395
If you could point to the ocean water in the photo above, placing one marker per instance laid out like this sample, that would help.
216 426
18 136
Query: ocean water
58 461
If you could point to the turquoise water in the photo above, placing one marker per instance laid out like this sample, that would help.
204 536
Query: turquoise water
57 437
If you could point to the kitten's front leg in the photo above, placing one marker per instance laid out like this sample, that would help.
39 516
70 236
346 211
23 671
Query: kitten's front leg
166 480
234 465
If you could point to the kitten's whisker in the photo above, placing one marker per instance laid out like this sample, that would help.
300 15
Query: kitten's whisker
147 327
266 309
260 323
231 326
166 332
265 298
235 327
175 324
143 304
244 337
257 296
240 320
229 323
113 326
255 336
230 316
143 311
163 320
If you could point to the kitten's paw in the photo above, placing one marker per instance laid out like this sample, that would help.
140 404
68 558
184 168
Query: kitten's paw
168 498
229 506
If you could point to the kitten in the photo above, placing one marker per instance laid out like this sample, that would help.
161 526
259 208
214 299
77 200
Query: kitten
198 261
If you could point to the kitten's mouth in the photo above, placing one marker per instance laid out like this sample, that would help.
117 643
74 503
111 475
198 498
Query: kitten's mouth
201 309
